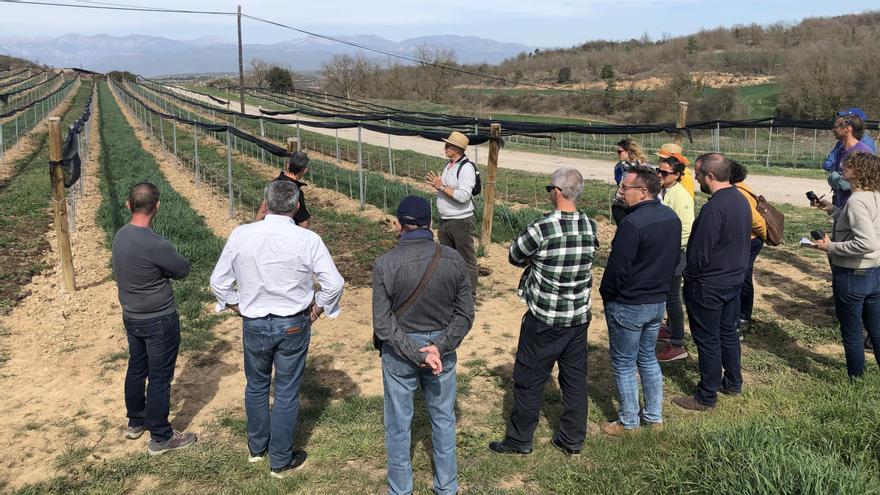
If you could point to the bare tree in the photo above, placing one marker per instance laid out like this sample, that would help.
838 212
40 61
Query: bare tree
435 76
259 70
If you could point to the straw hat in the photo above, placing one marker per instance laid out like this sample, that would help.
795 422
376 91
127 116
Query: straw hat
672 149
458 140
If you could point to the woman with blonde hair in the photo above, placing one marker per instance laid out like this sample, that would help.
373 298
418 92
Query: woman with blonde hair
629 154
854 253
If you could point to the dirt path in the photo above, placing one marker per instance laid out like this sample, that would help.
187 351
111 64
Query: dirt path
776 189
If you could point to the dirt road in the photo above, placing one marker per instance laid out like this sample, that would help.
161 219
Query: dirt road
776 189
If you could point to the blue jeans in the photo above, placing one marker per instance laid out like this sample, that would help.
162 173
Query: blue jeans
857 303
152 346
712 313
632 340
282 341
401 379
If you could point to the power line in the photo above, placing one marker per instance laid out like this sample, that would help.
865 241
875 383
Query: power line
133 8
111 6
440 66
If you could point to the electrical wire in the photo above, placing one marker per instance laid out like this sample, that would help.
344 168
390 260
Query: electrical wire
93 4
111 6
444 67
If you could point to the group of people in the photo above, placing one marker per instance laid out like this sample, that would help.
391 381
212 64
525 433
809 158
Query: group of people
279 277
853 246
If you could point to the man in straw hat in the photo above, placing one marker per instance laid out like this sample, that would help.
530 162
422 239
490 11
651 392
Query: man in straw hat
455 205
674 150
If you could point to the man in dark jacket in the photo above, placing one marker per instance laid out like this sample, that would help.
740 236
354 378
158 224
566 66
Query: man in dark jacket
297 168
644 253
717 260
419 342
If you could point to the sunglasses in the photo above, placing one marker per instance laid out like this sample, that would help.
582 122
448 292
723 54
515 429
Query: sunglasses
621 151
664 173
551 187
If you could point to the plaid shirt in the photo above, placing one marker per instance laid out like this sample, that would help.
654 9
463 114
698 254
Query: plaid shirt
557 252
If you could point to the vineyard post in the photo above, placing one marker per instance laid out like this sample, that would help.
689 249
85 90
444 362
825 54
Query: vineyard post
337 145
229 171
162 136
298 141
240 64
390 162
682 121
263 136
491 175
360 168
196 152
1 143
292 145
59 206
769 144
477 147
174 137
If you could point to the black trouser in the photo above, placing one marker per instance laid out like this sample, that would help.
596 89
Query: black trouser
458 233
540 347
674 311
747 295
712 316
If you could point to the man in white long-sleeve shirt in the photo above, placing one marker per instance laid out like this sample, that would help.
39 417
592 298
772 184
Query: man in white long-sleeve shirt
455 204
272 263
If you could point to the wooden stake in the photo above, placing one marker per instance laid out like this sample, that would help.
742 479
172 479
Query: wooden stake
489 186
682 121
59 206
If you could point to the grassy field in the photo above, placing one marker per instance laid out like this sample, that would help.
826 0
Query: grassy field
124 163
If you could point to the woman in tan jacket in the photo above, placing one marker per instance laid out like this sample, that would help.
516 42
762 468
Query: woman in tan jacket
738 174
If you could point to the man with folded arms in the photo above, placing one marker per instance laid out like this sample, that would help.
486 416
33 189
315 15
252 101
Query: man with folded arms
275 296
144 263
423 307
717 261
557 254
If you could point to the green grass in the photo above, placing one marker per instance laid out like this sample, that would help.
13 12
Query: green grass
124 163
25 200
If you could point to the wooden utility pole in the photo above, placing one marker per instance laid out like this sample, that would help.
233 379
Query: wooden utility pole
489 186
240 64
682 121
59 205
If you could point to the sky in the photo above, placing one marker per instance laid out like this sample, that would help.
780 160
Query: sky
541 23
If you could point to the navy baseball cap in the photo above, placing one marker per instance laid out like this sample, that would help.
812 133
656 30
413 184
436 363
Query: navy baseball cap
414 210
853 111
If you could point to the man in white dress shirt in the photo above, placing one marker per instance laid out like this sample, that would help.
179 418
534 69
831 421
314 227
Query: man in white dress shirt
272 263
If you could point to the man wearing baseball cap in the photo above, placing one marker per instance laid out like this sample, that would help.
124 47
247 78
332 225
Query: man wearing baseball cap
674 150
422 309
832 162
455 205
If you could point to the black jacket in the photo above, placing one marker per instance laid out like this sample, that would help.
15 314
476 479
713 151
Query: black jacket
644 252
718 249
303 213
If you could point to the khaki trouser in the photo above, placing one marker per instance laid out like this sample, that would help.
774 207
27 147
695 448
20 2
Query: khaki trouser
459 235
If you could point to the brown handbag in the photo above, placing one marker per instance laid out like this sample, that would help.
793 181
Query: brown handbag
774 219
377 343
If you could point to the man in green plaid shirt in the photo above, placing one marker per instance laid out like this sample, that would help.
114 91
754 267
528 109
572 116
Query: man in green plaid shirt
557 254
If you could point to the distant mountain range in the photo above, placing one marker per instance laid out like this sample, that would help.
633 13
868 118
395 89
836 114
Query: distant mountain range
155 56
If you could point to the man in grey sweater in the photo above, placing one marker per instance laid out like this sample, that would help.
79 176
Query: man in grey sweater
419 338
143 264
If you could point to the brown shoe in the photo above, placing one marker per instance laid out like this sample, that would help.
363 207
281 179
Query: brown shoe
178 440
691 403
616 429
672 353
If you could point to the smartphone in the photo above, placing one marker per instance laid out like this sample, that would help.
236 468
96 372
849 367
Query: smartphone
817 234
812 197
